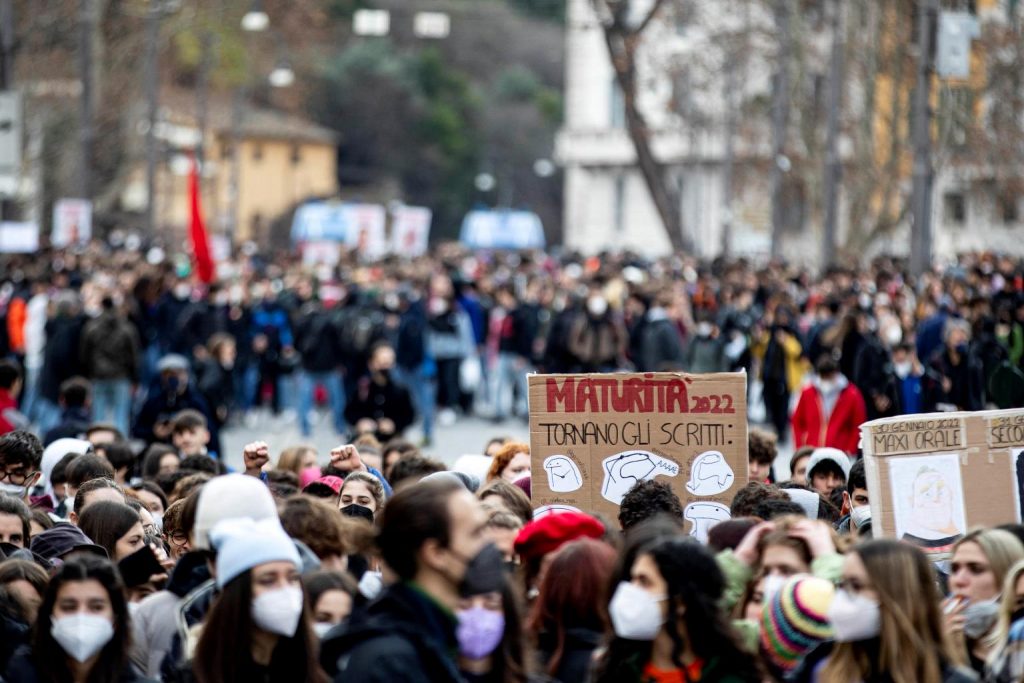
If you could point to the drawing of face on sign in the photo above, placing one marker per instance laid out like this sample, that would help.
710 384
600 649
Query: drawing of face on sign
563 474
557 509
623 470
710 475
928 497
703 516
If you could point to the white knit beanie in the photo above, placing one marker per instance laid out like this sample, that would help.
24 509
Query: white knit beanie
242 544
229 497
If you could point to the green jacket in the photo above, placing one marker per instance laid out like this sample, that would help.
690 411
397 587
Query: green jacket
738 575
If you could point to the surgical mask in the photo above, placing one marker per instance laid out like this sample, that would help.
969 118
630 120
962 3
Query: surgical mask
828 386
182 291
903 369
635 613
854 617
371 584
893 335
479 631
13 490
980 617
279 610
82 635
485 573
704 329
859 516
321 628
597 306
158 520
771 585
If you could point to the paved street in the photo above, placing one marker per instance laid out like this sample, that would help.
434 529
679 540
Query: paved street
467 435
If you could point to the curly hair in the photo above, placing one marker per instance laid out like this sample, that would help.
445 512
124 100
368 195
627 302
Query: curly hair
315 523
647 499
763 447
503 457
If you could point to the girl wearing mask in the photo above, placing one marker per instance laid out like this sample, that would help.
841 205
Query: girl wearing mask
114 526
981 560
774 551
258 628
490 638
81 632
330 597
668 622
569 617
887 622
364 490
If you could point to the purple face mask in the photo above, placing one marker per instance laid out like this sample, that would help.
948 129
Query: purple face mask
479 632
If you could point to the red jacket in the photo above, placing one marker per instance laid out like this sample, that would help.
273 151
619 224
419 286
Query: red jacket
841 430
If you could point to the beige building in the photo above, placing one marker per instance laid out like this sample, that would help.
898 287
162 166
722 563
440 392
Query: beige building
283 161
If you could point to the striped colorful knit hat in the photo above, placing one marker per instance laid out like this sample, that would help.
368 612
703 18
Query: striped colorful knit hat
794 620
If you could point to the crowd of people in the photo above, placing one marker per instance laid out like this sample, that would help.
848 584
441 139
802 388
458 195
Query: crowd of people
130 552
455 333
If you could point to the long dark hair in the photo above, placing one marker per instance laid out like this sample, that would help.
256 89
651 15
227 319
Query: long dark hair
510 659
106 521
224 652
694 588
49 657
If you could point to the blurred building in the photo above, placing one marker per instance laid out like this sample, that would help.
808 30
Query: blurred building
283 161
685 95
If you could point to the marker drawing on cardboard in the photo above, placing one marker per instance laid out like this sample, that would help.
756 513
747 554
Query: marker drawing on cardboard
558 508
928 500
703 516
623 470
563 474
710 475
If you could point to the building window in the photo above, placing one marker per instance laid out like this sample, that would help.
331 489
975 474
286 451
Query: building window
1010 208
619 210
257 152
618 106
955 207
296 155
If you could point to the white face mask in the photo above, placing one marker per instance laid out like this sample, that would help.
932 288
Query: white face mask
903 369
854 617
13 490
321 628
635 613
980 616
371 584
828 386
771 585
158 520
82 635
597 306
860 515
279 610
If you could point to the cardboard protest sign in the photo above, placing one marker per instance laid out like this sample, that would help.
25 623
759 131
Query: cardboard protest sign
592 437
933 477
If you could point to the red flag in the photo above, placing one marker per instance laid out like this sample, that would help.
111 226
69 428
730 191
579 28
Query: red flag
197 230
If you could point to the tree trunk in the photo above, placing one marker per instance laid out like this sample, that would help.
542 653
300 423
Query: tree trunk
781 104
622 46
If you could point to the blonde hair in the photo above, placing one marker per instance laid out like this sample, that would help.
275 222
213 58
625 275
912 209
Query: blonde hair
913 641
291 457
1006 609
1002 550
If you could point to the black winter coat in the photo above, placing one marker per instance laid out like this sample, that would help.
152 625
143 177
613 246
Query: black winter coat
403 636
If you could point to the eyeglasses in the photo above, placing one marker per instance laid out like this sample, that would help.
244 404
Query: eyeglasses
178 538
16 477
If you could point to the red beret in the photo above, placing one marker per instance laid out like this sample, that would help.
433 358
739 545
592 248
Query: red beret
549 533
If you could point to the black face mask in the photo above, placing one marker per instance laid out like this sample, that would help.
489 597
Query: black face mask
360 511
485 572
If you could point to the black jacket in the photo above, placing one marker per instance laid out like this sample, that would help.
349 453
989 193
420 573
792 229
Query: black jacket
60 359
577 654
23 670
73 424
658 345
110 348
403 636
375 401
318 340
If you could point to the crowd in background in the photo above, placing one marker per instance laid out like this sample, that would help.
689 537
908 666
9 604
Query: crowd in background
456 332
376 562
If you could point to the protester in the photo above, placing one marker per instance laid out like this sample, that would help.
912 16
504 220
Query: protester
645 500
798 465
830 411
364 490
10 389
887 622
762 450
827 470
110 360
82 631
511 462
431 536
981 560
15 520
330 599
569 616
499 495
667 622
258 627
21 456
1006 664
113 526
76 411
